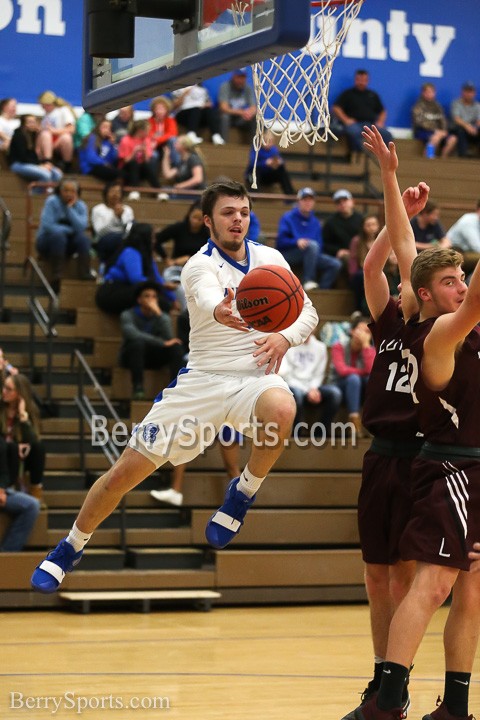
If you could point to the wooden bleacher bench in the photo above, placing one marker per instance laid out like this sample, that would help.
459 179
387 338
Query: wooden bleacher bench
202 599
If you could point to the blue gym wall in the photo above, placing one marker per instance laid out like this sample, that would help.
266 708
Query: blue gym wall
409 42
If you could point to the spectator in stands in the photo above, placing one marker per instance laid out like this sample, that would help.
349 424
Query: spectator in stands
111 221
6 368
122 123
86 123
350 366
98 154
271 167
23 510
236 102
359 247
132 263
464 235
21 449
148 339
194 110
427 227
300 242
55 141
358 106
162 127
188 173
136 158
430 123
8 121
304 368
342 226
62 231
229 441
188 236
465 114
22 156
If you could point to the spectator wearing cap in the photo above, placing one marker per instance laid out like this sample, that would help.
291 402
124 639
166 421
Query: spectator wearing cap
465 114
342 226
300 242
428 229
271 167
148 339
358 106
236 103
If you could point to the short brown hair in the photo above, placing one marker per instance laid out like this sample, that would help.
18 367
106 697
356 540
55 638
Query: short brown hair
231 188
428 262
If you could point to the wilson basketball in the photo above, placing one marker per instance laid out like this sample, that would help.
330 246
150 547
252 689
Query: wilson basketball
270 298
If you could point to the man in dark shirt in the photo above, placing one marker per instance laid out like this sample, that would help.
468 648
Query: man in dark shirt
148 340
342 226
427 228
358 106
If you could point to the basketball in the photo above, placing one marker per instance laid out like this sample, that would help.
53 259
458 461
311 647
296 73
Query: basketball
270 298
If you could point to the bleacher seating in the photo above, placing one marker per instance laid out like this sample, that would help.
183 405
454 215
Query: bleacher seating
300 541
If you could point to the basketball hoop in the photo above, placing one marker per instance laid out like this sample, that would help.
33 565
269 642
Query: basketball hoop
292 90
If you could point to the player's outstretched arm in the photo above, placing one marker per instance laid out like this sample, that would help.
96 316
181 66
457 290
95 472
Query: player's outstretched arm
396 217
447 333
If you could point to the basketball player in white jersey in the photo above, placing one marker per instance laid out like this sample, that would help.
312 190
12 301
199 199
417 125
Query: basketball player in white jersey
231 376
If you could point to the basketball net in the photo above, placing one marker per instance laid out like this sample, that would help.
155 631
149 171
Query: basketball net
292 90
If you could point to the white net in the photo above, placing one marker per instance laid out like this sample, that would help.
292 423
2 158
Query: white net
292 90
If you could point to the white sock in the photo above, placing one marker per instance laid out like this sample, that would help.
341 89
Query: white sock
248 483
77 538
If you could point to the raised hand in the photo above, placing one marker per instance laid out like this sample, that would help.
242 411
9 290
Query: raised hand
386 156
415 198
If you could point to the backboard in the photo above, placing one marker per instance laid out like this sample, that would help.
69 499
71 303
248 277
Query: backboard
226 34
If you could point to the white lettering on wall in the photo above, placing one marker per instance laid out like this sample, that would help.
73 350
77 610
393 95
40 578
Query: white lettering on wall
6 13
433 50
372 39
29 20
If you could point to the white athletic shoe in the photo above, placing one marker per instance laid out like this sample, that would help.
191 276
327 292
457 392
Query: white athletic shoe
171 496
134 195
195 138
163 197
217 139
310 285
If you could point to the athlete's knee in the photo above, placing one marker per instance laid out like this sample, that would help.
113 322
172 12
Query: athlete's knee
276 406
376 580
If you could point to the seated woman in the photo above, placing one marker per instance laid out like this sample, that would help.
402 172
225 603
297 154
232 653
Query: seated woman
23 158
131 264
20 435
55 141
430 123
62 231
111 221
359 247
98 154
189 172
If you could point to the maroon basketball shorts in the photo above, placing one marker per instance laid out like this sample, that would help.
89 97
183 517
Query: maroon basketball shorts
445 518
384 505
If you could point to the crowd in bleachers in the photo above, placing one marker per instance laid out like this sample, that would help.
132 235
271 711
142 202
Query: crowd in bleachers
125 151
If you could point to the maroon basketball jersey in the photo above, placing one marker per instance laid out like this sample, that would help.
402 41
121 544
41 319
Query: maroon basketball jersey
450 416
388 410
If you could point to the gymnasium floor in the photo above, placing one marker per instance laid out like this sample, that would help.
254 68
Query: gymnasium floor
282 663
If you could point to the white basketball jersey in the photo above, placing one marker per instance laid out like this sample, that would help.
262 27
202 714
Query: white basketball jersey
215 347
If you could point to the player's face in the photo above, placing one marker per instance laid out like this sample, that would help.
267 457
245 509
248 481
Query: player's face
229 223
447 290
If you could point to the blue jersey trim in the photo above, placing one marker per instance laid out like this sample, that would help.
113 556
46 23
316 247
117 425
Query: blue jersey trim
159 397
242 268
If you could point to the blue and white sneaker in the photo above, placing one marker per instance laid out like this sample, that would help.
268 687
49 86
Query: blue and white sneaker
226 522
49 574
